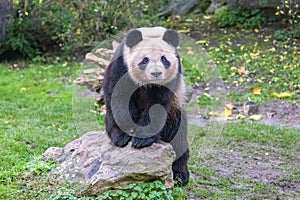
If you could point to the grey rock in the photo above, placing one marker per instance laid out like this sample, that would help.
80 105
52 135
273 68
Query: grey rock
92 160
255 4
179 7
250 108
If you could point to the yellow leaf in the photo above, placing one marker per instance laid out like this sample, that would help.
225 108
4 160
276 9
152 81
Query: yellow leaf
282 94
240 116
184 31
256 90
242 71
256 117
228 112
213 114
190 52
256 30
78 31
93 111
201 42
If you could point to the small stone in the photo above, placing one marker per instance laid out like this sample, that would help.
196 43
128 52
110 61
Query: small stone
54 153
250 108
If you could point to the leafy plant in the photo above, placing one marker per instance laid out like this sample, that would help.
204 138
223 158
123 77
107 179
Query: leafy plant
40 167
142 191
241 18
279 35
153 190
65 26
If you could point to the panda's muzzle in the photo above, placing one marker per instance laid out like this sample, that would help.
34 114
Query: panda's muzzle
156 74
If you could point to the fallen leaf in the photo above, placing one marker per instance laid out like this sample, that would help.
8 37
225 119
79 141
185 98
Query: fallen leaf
230 106
256 117
242 71
190 52
184 31
228 112
213 114
282 94
201 42
240 116
254 55
257 90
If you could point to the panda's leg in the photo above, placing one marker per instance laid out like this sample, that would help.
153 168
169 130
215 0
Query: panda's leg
180 169
181 147
117 136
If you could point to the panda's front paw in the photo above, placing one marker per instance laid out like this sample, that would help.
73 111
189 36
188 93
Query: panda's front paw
139 143
119 138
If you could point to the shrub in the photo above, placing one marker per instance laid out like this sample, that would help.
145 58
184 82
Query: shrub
40 26
241 18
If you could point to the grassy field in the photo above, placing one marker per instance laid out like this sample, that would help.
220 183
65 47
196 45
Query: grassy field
36 113
238 160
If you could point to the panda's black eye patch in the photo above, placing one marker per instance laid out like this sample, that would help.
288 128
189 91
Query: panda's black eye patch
165 61
144 63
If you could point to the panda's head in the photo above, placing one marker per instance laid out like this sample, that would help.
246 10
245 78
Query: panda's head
151 55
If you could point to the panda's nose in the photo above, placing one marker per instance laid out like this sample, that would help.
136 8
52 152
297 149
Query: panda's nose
156 74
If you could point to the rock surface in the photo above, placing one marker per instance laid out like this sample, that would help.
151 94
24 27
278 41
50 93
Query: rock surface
93 160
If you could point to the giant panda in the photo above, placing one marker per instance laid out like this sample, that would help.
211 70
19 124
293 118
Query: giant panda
146 71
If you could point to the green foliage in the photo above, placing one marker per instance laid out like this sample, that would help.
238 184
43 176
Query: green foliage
204 100
279 35
142 191
65 194
152 190
193 73
295 33
65 26
241 18
40 167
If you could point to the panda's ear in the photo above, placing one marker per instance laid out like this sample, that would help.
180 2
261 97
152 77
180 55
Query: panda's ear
171 37
133 38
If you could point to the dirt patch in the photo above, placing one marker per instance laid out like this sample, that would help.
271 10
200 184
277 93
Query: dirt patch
248 165
280 113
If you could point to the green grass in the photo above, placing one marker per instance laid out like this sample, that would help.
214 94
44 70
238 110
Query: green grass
40 109
238 143
35 113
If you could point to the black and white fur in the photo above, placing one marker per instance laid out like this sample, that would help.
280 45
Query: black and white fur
150 59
